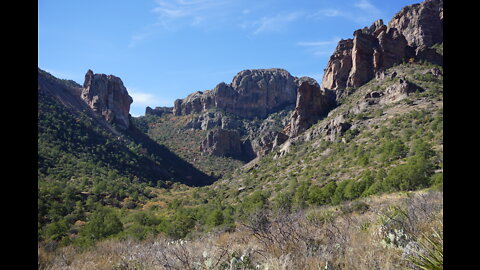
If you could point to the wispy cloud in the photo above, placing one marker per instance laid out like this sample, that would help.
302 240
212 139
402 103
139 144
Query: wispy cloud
143 99
320 48
361 12
191 12
137 38
367 6
274 23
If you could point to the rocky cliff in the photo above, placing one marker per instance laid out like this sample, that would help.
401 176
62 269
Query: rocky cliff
408 35
159 111
311 105
421 24
107 96
252 93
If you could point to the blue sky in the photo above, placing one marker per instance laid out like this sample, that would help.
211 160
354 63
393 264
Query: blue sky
166 49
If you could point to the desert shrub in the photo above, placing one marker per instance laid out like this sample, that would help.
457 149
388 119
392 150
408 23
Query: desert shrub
256 201
436 181
215 218
179 225
300 196
103 223
283 202
410 176
57 230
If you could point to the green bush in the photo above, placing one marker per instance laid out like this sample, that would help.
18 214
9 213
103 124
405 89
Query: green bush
103 223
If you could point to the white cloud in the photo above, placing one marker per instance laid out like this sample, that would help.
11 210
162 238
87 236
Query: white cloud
318 43
330 12
194 12
275 23
367 6
143 99
361 12
135 39
320 48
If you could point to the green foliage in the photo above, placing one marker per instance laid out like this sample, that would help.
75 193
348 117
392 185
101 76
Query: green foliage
104 222
430 256
258 200
321 196
410 176
56 230
179 225
215 218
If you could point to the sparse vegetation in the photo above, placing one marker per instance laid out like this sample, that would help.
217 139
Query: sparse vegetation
369 199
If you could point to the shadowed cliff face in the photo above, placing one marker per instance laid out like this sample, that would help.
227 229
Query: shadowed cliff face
107 96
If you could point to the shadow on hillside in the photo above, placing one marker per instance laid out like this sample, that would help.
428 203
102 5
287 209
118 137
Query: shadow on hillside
178 169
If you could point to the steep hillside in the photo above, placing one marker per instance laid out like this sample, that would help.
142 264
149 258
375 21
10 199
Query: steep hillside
270 171
382 134
83 160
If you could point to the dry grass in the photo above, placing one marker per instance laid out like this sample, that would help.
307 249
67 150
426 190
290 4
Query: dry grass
337 235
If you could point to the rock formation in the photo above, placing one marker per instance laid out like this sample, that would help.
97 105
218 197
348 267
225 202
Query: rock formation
106 95
311 105
421 24
158 111
252 93
223 142
336 74
408 35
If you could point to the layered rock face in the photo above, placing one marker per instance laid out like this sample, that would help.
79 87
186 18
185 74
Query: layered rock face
355 61
252 93
378 47
106 95
421 24
311 105
335 76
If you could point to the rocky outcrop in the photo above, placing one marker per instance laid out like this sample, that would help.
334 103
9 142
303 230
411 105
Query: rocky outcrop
311 105
252 93
262 145
335 76
408 35
107 96
212 120
355 61
398 91
421 24
158 111
222 142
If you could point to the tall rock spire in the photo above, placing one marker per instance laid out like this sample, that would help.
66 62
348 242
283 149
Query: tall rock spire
107 96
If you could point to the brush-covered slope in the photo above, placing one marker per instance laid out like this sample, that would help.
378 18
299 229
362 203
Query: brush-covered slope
83 160
385 136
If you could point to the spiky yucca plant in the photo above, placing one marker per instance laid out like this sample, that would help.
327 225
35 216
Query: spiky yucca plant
431 255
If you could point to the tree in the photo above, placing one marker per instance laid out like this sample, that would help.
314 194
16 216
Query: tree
103 223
